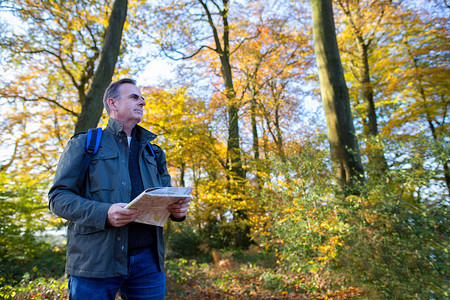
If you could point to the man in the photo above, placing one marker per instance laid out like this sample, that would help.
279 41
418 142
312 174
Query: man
106 250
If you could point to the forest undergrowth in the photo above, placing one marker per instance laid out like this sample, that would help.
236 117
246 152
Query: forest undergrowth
231 274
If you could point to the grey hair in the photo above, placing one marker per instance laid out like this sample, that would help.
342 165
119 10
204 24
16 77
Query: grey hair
112 91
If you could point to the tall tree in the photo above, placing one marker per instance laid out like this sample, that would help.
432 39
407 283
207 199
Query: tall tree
364 20
419 84
335 96
270 74
210 30
92 106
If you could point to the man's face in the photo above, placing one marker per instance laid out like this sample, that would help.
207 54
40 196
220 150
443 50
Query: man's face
129 106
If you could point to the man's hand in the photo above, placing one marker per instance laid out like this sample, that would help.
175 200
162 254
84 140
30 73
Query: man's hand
179 209
119 216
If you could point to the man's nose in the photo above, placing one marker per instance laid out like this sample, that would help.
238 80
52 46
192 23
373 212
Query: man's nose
141 101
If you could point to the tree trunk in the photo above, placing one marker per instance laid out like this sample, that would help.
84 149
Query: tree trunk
335 96
352 10
92 107
279 134
233 149
182 173
255 138
234 160
377 161
367 90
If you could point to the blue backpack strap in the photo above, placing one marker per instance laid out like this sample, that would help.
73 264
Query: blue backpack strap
92 144
152 151
93 140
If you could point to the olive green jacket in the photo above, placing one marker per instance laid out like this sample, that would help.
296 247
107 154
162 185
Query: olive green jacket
93 248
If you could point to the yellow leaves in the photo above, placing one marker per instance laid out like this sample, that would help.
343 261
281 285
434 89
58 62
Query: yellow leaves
330 249
61 37
406 51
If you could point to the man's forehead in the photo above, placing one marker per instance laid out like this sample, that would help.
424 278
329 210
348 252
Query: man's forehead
128 89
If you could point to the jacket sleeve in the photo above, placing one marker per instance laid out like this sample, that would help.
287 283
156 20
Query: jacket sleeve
177 219
65 197
165 176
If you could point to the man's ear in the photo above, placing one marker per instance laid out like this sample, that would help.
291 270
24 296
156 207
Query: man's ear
112 103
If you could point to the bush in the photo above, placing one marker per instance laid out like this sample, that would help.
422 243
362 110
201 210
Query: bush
23 216
391 240
40 288
395 252
182 242
48 261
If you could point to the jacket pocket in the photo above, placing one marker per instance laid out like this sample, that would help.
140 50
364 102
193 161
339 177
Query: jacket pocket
103 170
151 160
81 229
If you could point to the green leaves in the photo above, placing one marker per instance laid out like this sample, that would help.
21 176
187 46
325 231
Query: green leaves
24 221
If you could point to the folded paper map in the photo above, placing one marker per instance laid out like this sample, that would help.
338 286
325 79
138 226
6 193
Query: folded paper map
153 203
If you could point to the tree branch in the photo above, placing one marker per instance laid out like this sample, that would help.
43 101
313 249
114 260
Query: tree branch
4 167
219 49
47 100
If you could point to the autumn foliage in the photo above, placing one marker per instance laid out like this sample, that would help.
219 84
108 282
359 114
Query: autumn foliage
241 121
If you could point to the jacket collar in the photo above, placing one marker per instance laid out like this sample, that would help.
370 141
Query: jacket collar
117 128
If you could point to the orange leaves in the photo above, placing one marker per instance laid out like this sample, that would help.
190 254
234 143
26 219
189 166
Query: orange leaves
407 69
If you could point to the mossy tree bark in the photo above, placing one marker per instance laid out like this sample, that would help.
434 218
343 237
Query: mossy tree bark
335 96
92 107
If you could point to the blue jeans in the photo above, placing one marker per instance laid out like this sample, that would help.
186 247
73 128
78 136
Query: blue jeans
143 281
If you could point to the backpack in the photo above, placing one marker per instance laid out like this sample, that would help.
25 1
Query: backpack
93 139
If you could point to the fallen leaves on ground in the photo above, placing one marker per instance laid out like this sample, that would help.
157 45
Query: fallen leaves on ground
229 278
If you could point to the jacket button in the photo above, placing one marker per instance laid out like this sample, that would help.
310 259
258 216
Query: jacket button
119 238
